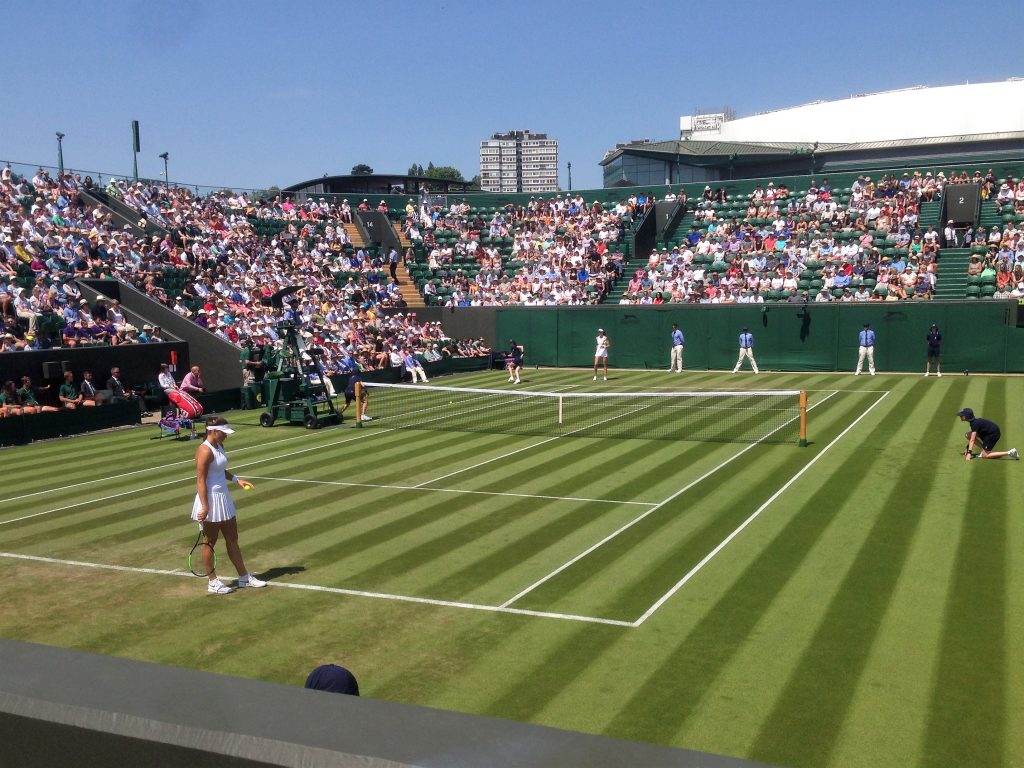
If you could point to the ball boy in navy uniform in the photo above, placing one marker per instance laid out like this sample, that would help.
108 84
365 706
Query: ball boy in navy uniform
985 432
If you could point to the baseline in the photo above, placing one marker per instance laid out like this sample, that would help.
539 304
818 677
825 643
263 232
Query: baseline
332 590
722 545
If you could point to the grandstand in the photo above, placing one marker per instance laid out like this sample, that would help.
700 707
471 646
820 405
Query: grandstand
850 237
135 273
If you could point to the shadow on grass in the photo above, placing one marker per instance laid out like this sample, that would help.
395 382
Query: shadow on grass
282 570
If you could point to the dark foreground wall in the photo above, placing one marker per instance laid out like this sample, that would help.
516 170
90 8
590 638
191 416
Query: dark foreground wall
60 707
977 335
21 430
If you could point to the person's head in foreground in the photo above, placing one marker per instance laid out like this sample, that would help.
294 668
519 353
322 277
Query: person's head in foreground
331 677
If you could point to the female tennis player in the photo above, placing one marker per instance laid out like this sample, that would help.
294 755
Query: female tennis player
514 361
213 507
601 354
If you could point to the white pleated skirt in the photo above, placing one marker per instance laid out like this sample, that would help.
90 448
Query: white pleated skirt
222 507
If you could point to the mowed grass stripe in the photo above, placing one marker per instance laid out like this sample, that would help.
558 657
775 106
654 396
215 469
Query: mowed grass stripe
436 533
967 724
886 723
254 456
116 524
644 470
839 650
656 712
107 449
456 558
618 581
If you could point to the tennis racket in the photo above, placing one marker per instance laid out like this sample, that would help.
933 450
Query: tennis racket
195 556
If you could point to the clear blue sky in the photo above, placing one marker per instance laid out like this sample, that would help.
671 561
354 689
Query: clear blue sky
253 94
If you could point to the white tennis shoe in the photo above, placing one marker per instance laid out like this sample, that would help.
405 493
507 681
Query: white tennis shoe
250 581
1012 453
218 587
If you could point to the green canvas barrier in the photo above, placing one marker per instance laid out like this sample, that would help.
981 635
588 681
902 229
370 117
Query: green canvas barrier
788 337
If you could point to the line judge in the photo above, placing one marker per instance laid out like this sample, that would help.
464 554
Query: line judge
746 350
676 359
866 348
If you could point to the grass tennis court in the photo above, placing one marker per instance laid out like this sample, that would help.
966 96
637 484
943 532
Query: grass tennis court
855 602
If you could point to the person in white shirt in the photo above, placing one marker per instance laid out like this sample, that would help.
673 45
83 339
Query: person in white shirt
601 353
166 379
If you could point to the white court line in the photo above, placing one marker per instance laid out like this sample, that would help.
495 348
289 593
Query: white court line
184 461
333 590
651 511
152 469
707 558
448 490
685 391
487 461
190 477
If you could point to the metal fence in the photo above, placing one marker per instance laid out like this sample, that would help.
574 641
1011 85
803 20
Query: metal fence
100 178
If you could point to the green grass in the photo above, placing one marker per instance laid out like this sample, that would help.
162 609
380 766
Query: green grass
869 615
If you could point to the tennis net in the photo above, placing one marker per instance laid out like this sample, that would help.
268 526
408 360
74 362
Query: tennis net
723 416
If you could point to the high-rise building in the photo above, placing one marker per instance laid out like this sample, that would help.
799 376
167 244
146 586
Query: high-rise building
519 161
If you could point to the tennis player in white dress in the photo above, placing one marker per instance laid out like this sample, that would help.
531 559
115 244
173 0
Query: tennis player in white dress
215 510
601 354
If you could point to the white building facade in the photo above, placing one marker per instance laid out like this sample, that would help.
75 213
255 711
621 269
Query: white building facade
519 161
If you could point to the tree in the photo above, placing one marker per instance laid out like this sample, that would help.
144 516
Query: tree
474 183
415 170
444 172
267 194
361 170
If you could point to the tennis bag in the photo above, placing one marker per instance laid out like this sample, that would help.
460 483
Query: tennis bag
186 403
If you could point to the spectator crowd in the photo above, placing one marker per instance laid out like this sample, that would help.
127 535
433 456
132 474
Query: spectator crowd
218 259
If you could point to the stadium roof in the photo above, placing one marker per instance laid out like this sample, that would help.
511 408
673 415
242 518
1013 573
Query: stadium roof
968 109
717 150
376 184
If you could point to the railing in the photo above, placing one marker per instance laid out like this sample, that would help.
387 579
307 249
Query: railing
100 178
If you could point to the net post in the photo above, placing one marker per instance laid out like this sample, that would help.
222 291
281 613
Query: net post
359 404
803 418
559 410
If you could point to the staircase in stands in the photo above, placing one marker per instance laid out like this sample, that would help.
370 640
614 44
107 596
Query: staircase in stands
951 276
355 235
406 286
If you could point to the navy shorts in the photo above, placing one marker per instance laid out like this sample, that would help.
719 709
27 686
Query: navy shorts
989 443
